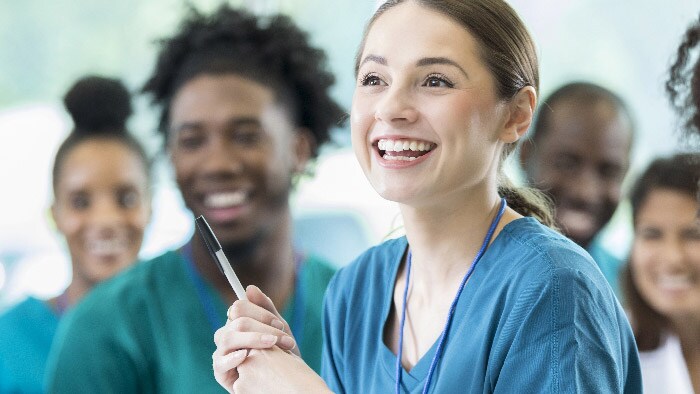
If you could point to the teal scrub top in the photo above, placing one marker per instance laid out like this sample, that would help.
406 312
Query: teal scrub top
26 332
536 316
147 331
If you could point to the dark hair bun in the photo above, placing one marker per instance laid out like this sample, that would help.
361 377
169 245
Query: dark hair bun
98 104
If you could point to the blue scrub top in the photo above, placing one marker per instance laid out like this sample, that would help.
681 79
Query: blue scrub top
537 315
26 332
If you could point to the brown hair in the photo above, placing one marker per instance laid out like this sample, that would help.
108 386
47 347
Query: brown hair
508 51
678 173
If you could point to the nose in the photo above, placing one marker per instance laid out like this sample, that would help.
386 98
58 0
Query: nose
396 105
587 187
106 213
221 158
671 253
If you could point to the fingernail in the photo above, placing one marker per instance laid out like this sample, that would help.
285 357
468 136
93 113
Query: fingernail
278 324
238 354
268 339
287 342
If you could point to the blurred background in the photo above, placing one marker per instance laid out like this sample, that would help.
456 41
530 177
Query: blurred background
46 45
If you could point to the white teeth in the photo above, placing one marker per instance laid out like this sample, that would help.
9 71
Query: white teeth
402 145
224 200
399 158
107 246
676 282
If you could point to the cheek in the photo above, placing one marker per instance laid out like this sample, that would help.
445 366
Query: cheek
642 263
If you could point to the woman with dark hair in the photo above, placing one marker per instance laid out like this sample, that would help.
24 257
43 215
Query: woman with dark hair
480 295
661 281
102 204
245 105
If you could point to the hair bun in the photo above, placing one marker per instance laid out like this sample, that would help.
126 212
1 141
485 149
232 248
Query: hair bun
98 104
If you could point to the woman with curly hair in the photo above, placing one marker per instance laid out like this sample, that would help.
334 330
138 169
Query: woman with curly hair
244 106
683 83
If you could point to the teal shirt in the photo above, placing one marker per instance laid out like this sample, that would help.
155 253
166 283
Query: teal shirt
536 316
609 265
26 332
146 331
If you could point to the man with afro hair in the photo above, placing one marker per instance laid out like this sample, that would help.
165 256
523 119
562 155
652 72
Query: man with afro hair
244 105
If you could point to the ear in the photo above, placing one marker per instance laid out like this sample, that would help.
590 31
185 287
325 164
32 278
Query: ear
521 109
303 145
53 213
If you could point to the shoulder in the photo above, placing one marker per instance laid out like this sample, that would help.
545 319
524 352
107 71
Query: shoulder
30 312
532 258
543 249
132 286
318 267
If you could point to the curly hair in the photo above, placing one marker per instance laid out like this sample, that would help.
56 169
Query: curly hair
683 83
271 51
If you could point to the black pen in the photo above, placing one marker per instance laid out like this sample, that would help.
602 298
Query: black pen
219 257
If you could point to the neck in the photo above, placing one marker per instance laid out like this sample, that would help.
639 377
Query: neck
267 262
77 288
445 238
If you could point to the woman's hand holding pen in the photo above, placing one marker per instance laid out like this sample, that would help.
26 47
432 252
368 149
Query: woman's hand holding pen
252 324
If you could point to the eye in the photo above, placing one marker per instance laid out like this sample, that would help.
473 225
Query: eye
80 201
438 81
371 79
127 198
189 139
649 233
249 134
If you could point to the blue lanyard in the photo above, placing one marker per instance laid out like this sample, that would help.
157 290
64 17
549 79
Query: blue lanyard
216 320
450 314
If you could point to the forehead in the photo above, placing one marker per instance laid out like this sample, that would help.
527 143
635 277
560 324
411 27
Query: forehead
212 96
599 125
409 31
101 162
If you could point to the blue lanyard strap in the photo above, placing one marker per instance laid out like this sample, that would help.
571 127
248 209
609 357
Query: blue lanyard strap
450 314
216 320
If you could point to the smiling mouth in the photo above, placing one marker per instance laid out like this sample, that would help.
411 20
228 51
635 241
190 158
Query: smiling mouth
107 247
224 200
404 150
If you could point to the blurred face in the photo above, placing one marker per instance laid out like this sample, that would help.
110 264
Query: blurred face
581 160
666 253
425 116
234 150
102 207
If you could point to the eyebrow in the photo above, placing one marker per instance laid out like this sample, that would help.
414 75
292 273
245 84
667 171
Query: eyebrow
232 123
426 61
373 58
429 61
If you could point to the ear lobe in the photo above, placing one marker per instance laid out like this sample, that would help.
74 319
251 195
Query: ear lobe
53 213
521 111
304 145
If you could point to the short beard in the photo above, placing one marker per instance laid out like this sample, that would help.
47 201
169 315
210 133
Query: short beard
242 253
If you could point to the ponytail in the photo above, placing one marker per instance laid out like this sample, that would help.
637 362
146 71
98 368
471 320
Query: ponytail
527 201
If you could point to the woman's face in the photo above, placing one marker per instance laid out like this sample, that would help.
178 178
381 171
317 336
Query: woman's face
425 116
666 253
102 207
